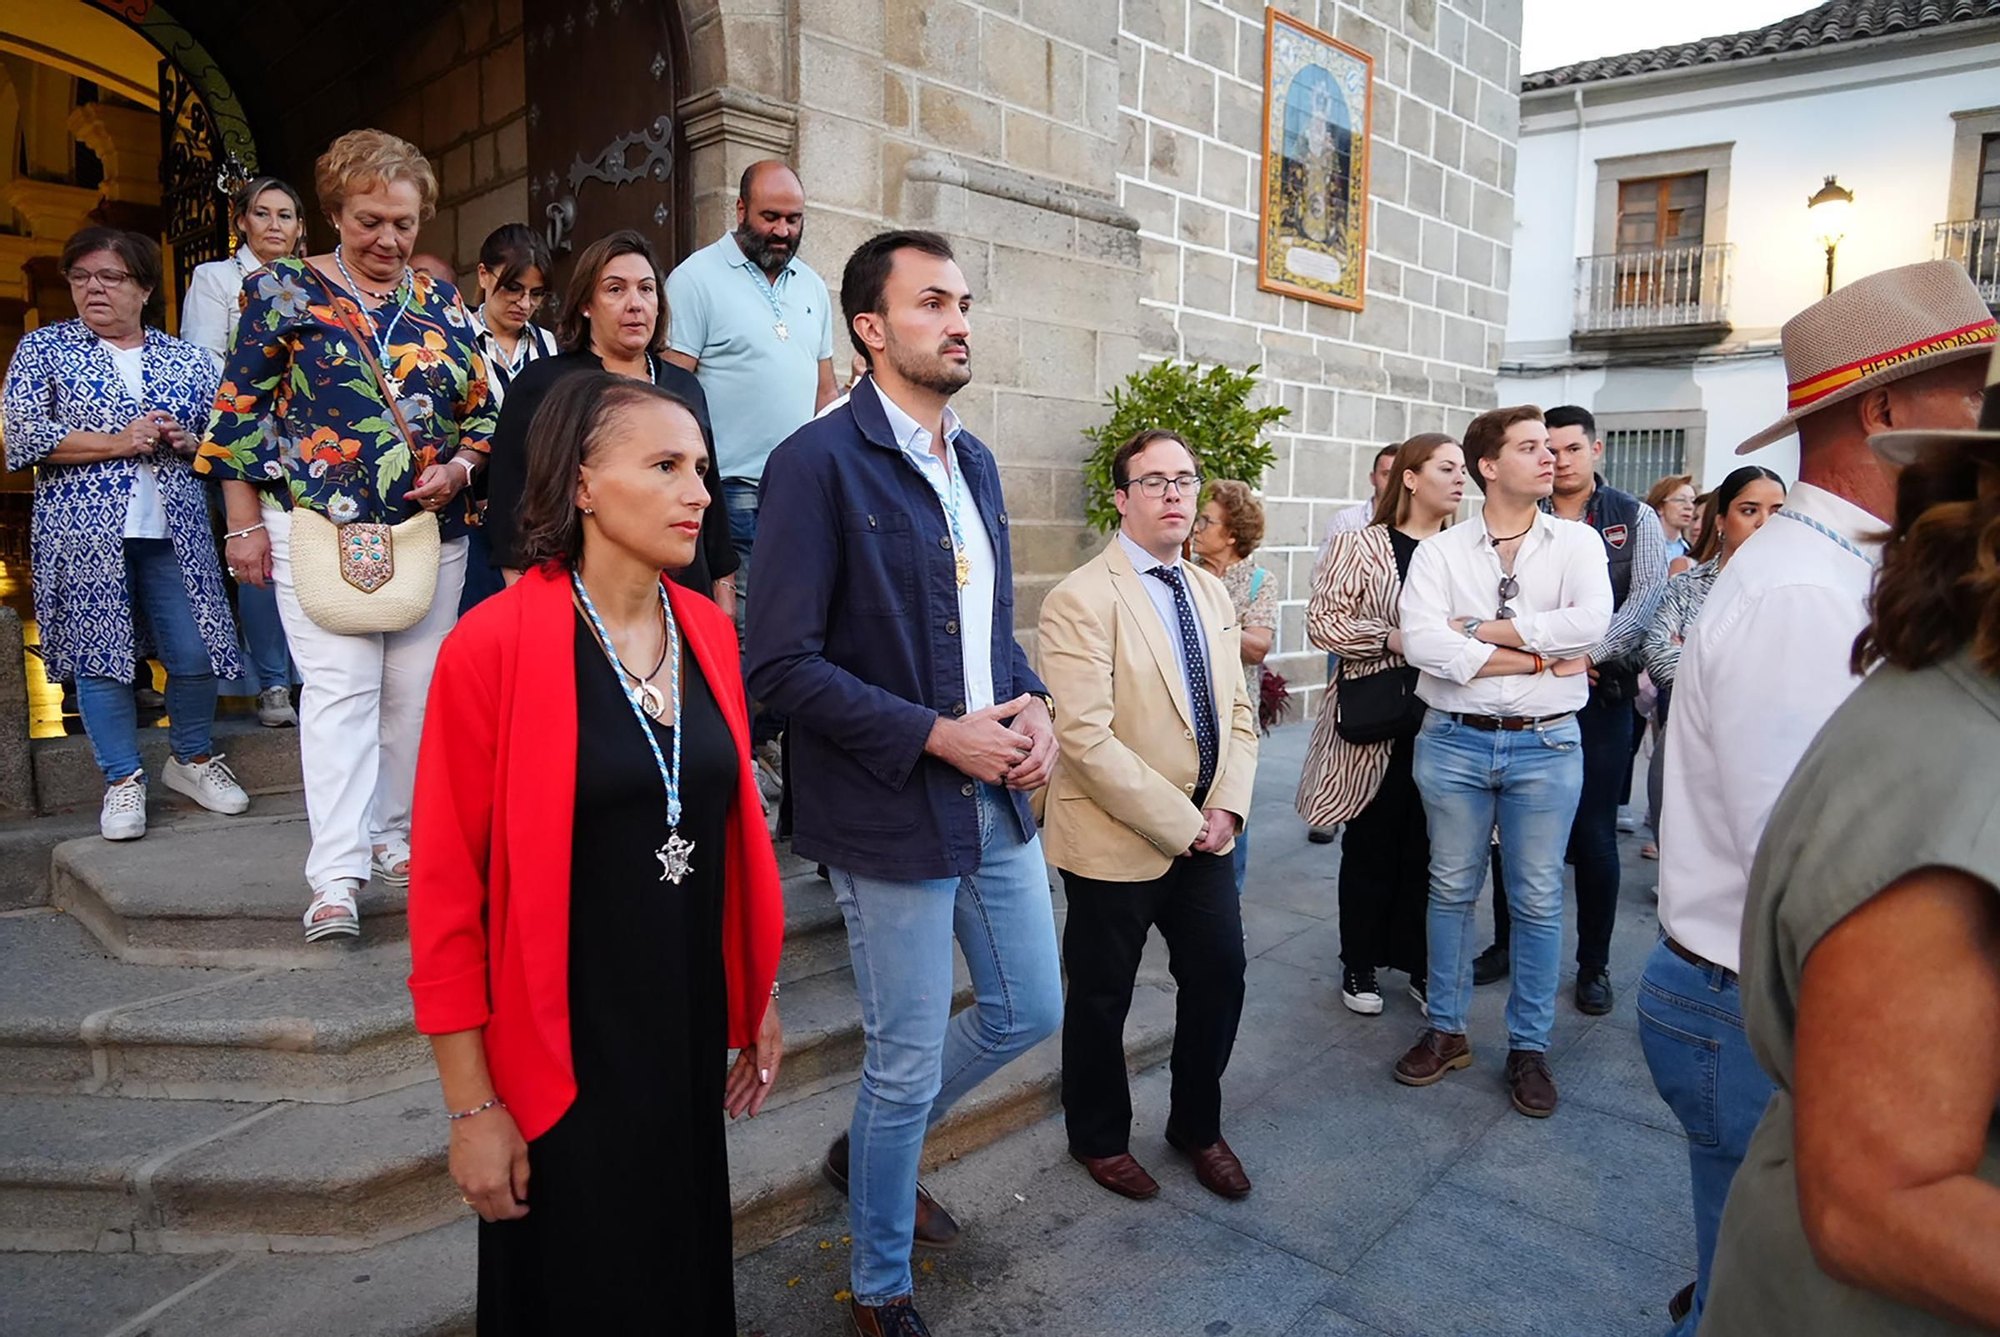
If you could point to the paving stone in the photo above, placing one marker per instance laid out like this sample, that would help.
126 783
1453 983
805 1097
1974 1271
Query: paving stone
1460 1262
90 1294
1591 1170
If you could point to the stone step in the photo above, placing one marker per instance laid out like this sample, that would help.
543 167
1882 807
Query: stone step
229 892
266 761
420 1286
79 1173
74 1021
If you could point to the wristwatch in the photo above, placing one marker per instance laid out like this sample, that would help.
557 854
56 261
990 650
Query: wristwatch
1047 701
1470 626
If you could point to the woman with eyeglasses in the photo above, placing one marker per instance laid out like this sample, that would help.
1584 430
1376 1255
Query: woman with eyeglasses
514 278
108 413
1226 532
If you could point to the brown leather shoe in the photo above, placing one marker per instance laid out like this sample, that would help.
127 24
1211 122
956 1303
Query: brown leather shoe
1533 1085
896 1318
1121 1174
1677 1308
1434 1054
935 1227
1216 1167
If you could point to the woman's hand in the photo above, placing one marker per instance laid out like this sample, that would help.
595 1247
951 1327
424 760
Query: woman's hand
756 1070
176 437
489 1163
437 485
249 558
1395 641
141 436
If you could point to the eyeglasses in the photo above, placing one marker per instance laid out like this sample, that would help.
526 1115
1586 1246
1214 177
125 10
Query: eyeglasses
108 279
1509 587
1156 485
1202 524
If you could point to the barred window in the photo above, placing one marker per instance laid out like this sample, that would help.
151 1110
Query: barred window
1636 458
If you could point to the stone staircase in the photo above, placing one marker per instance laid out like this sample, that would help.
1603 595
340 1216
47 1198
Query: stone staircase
208 1118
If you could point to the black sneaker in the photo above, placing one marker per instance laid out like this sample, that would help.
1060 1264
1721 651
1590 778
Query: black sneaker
1491 965
1360 992
1420 993
1593 992
1320 835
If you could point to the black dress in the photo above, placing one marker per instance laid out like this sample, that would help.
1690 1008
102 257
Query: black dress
506 474
628 1224
1385 856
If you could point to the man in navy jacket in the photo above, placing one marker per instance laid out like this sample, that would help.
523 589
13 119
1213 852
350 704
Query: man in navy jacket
884 630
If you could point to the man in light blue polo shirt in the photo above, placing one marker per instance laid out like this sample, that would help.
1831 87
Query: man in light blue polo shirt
755 324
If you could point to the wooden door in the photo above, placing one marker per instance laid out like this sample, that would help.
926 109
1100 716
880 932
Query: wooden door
605 148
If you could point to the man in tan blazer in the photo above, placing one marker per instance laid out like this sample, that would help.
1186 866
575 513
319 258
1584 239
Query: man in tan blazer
1158 750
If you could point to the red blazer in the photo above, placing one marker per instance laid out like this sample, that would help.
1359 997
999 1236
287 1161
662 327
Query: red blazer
490 865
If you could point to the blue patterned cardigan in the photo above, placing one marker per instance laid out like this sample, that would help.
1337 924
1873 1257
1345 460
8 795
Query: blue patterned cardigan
61 381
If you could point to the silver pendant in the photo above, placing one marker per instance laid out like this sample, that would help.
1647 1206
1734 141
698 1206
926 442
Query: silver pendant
649 699
780 330
676 857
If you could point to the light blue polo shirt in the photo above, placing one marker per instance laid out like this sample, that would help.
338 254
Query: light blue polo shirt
760 387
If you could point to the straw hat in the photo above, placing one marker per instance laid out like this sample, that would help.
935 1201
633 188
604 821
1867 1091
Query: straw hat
1877 329
1904 447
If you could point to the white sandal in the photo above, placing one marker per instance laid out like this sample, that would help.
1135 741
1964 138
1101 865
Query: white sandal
337 895
384 862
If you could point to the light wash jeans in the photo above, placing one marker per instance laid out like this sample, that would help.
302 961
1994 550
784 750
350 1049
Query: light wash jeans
920 1059
1691 1029
158 592
1527 783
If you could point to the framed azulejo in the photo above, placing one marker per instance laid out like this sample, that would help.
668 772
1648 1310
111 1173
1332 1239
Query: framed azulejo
1318 100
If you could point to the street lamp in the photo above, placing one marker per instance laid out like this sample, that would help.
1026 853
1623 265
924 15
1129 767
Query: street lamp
1829 207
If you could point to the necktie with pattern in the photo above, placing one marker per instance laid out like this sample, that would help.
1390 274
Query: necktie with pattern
1202 700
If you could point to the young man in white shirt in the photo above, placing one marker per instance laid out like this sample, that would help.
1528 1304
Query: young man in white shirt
1497 613
1765 665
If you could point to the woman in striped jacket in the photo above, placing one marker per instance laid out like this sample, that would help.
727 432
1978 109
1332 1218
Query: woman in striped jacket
1385 849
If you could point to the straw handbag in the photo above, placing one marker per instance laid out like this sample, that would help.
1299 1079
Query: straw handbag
357 579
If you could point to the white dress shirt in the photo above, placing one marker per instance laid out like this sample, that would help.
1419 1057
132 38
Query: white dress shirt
975 597
1561 610
1762 668
212 305
1358 516
1162 596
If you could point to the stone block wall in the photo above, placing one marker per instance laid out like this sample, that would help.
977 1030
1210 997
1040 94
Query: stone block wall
1422 354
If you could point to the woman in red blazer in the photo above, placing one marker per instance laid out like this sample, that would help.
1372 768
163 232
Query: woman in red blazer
594 907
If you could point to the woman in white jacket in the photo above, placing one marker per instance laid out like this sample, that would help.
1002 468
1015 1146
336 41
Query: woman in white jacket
270 218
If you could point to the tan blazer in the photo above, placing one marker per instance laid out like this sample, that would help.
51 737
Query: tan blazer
1355 589
1120 806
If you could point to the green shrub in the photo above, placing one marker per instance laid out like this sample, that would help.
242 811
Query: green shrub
1210 409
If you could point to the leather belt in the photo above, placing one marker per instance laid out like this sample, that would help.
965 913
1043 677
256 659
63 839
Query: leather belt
1510 723
1697 959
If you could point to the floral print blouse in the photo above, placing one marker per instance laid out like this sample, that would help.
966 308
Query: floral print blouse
299 407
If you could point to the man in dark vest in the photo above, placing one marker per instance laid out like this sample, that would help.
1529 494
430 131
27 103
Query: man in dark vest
1636 548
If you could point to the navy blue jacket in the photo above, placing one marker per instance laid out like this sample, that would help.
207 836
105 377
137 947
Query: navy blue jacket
853 635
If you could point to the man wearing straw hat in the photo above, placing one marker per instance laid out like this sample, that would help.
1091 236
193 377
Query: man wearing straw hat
1764 666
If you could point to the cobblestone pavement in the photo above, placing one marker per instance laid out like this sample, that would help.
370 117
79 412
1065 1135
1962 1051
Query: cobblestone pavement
1378 1209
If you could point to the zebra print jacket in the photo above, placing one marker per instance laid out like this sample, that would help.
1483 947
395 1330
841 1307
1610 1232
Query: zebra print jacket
1355 588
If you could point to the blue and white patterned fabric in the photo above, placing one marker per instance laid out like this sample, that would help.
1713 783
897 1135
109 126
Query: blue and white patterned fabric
61 381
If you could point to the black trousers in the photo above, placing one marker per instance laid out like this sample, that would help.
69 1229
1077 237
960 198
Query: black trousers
1385 874
1195 907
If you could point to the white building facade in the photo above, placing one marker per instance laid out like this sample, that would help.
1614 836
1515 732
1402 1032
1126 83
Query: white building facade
1662 233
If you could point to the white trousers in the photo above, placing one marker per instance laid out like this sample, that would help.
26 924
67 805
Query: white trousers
361 715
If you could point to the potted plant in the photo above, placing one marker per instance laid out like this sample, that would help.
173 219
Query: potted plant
1209 409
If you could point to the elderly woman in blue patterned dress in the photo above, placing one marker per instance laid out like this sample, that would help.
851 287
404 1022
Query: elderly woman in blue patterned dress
109 413
303 422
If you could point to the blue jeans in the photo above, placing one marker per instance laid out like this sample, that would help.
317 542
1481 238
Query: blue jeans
270 656
110 716
920 1059
1691 1028
740 499
1527 783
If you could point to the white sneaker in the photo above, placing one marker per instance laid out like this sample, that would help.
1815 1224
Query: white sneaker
123 816
1628 819
209 783
274 709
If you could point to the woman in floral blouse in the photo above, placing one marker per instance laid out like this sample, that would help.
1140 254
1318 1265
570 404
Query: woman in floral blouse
1227 531
302 422
107 412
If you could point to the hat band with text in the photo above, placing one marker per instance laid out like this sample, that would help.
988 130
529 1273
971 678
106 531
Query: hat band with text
1825 383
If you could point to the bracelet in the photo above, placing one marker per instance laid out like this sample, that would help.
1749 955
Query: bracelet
461 459
1540 663
494 1103
243 533
774 988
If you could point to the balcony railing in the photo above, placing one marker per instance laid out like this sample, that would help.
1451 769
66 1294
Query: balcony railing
1675 288
1974 243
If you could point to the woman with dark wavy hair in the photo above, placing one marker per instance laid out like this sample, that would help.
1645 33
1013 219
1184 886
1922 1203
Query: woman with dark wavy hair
1869 1203
594 906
